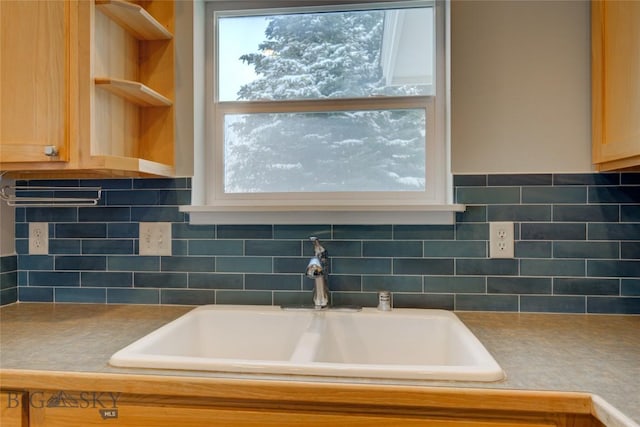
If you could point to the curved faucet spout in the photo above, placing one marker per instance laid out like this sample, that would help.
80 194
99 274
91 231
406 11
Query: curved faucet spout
317 247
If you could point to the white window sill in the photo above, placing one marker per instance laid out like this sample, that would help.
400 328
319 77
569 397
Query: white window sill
324 214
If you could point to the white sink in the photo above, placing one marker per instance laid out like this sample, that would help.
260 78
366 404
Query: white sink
403 344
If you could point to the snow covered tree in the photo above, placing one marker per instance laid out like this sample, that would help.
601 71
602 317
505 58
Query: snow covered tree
323 56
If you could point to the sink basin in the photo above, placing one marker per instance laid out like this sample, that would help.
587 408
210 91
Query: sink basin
402 344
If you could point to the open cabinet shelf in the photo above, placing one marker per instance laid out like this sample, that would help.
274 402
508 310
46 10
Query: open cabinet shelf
133 85
105 105
134 92
142 166
134 19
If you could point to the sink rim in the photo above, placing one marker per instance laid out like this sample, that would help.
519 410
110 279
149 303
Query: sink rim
486 370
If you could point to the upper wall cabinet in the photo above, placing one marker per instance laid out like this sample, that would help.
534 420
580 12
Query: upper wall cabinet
87 88
615 45
35 82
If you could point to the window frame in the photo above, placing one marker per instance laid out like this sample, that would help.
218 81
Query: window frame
438 194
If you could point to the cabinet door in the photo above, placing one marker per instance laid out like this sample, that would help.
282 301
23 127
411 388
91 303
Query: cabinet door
34 80
12 409
616 83
192 417
99 409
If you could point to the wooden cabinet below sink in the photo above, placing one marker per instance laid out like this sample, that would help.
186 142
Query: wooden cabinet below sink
264 403
188 413
14 409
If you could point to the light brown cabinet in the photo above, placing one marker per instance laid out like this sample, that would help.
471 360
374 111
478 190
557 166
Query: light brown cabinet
87 409
86 399
615 44
168 416
87 88
36 81
13 409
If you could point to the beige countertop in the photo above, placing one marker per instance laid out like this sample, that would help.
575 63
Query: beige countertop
597 354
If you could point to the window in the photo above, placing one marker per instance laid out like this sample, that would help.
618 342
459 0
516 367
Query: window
326 107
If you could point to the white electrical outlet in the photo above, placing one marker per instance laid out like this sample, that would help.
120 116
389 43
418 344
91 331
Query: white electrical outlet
501 243
38 238
155 238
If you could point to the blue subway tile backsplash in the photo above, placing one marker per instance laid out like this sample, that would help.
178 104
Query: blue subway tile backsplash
8 279
577 251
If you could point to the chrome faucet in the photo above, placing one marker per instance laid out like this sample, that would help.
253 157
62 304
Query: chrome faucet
318 270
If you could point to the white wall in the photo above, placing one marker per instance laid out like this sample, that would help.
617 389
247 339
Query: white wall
521 86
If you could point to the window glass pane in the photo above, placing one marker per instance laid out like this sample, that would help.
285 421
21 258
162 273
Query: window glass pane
346 54
370 150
